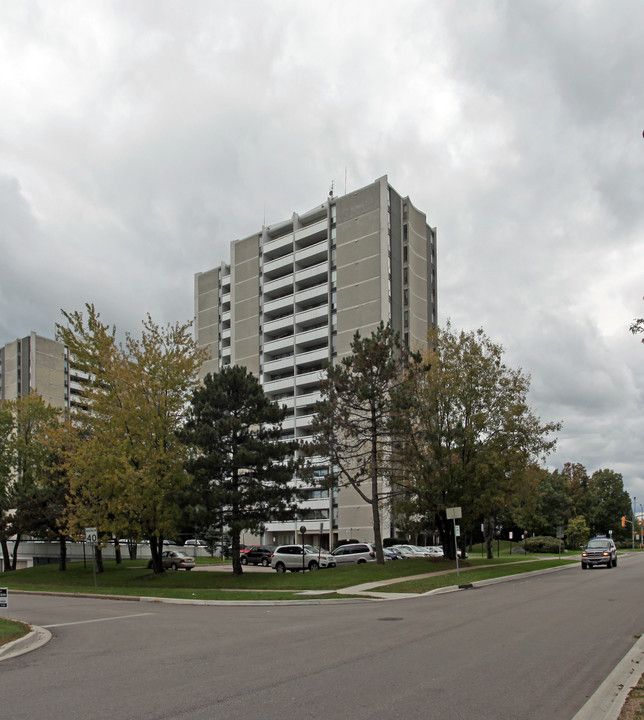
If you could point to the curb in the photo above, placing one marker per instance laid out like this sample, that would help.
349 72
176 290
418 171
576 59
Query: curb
34 639
607 701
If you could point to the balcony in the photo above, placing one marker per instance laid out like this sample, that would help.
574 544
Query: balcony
278 246
314 275
312 233
273 266
312 255
307 318
313 296
314 357
274 386
310 380
274 326
271 366
272 306
277 284
312 337
273 346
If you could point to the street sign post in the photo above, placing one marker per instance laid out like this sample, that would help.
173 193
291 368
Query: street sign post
4 597
91 538
454 514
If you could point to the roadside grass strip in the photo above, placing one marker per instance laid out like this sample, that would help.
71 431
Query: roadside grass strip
132 579
11 630
471 574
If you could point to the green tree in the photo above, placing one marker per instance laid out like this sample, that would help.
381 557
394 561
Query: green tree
357 420
26 425
241 466
126 463
577 532
553 504
473 440
608 503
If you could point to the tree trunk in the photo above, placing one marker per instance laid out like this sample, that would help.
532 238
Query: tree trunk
62 558
375 505
98 559
117 551
488 534
156 548
237 566
14 560
132 549
5 555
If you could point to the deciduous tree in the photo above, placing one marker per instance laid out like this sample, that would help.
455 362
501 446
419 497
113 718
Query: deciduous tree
473 439
126 465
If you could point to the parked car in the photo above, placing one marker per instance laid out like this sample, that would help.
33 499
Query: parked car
390 554
260 555
599 551
175 560
435 551
395 552
411 551
298 557
195 543
356 553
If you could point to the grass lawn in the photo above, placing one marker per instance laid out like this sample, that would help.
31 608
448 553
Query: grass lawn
11 630
132 578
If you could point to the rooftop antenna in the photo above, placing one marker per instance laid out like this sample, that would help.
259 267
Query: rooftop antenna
331 189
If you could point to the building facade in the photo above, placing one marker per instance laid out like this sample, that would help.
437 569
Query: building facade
292 298
38 364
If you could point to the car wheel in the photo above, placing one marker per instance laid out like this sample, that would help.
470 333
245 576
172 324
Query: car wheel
174 566
188 568
584 566
615 562
264 562
313 565
244 560
361 561
280 567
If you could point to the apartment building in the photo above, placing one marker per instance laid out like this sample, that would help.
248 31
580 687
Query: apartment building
39 364
292 297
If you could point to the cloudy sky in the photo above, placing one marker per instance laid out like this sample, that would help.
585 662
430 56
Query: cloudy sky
138 139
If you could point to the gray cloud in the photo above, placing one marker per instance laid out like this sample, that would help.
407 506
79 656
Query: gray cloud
139 139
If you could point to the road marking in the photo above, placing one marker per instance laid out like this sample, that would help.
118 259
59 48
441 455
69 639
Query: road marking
84 622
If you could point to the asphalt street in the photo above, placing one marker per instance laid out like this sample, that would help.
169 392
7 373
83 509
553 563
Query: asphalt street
529 649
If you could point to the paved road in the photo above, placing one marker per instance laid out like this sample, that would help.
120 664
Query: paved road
530 649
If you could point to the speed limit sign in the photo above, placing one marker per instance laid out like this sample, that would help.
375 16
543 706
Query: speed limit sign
91 536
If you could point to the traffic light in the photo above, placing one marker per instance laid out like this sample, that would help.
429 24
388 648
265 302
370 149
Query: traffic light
623 520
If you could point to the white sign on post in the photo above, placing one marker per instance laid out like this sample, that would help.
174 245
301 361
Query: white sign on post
457 530
4 597
91 536
454 513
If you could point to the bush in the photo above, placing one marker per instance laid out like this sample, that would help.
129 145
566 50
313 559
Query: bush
543 544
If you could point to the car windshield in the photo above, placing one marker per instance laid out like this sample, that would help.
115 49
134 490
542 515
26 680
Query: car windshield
312 549
598 544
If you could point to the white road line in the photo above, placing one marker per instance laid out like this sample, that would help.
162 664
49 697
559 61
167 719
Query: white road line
84 622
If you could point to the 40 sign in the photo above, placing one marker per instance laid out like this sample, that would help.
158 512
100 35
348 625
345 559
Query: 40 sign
91 536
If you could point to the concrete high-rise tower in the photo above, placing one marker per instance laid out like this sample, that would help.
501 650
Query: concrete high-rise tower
292 297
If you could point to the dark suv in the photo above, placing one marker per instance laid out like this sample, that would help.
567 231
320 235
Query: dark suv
599 551
258 555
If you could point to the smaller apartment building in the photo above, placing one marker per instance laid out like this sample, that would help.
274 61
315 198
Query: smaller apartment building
291 299
38 364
